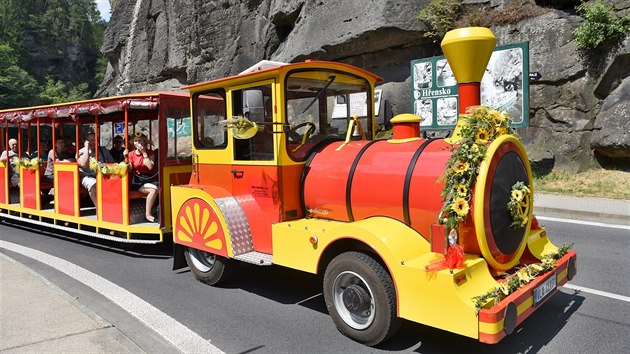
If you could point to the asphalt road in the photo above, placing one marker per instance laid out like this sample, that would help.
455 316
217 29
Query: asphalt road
278 310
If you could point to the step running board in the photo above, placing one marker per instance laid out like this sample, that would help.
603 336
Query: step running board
257 258
78 231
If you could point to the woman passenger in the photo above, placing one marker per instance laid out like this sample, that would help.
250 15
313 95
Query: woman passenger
144 172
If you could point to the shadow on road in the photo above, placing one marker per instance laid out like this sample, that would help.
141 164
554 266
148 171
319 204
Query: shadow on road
289 286
158 251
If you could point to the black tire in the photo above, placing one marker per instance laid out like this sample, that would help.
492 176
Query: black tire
207 267
361 298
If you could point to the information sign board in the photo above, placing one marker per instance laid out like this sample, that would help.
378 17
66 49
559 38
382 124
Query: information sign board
504 87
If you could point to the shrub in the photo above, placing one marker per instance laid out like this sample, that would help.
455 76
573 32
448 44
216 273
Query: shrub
514 12
601 24
440 16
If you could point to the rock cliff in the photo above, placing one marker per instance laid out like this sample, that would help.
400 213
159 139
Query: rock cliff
578 111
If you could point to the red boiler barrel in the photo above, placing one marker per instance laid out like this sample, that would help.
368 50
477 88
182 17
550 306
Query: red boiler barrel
365 179
399 180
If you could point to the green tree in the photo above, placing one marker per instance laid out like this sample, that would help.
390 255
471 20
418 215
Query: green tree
16 85
54 42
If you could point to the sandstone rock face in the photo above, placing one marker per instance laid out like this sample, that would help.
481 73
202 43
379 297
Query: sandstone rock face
576 108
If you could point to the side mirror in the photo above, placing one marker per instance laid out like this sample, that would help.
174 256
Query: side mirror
253 105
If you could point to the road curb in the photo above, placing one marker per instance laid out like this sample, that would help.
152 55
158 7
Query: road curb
583 215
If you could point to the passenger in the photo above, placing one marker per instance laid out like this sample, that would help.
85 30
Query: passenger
14 177
88 176
62 155
144 172
118 149
43 149
70 147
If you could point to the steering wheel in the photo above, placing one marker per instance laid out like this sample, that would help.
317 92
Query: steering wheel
296 137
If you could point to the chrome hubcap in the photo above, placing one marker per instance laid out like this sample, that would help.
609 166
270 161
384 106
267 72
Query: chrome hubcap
202 260
354 300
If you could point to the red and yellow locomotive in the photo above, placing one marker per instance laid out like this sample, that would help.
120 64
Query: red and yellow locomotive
296 181
281 166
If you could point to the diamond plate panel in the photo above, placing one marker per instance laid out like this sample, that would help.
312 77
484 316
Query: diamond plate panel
237 224
257 258
136 211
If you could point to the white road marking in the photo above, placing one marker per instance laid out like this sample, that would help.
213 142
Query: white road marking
590 223
597 292
170 329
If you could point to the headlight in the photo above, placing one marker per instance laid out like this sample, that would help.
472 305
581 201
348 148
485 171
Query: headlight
452 237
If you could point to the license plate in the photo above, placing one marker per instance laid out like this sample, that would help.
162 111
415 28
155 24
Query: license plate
544 289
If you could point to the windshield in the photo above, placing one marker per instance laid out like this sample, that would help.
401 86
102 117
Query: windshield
319 106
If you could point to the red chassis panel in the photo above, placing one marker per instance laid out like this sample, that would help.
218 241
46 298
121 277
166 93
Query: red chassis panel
30 188
112 199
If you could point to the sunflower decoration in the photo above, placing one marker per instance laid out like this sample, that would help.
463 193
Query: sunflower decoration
460 207
522 276
115 169
518 206
242 128
27 163
461 167
482 126
481 137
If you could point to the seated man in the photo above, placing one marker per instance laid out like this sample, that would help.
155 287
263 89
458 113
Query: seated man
62 155
88 176
118 149
14 177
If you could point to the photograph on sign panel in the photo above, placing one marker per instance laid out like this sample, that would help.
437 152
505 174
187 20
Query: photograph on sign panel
502 84
445 76
447 111
422 75
424 110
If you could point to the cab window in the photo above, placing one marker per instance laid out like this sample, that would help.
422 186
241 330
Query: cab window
255 104
319 106
178 134
209 113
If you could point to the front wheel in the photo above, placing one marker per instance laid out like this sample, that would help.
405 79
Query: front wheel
208 267
360 298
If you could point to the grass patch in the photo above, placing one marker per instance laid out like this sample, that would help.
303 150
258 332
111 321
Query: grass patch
592 183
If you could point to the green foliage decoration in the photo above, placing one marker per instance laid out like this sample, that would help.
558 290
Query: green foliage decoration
480 126
601 25
522 277
518 204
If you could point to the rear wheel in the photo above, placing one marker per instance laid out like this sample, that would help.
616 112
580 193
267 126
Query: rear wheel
208 267
360 298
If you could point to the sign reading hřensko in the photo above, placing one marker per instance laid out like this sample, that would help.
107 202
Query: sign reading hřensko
505 87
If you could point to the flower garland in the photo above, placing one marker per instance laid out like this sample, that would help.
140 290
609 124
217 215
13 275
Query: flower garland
517 206
482 125
522 277
27 163
117 169
242 128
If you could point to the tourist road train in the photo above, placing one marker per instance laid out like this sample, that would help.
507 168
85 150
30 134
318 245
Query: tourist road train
280 165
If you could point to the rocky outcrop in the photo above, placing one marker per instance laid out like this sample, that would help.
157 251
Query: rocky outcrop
578 108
